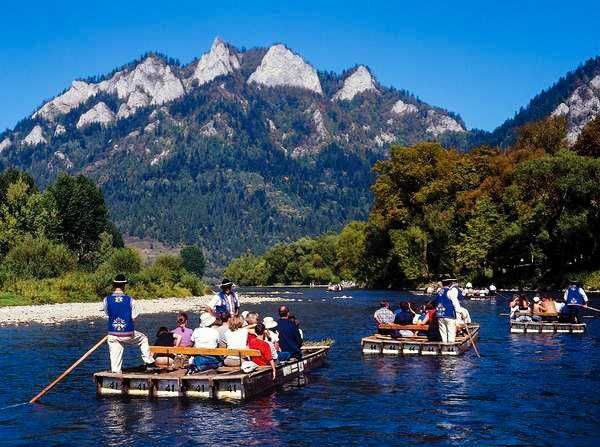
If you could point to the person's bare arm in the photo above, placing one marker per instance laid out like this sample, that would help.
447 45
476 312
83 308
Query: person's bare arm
272 363
178 339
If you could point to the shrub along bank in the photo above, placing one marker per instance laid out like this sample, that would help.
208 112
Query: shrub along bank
59 246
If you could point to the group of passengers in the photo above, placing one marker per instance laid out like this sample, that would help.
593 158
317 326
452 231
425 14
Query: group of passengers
546 307
444 316
221 326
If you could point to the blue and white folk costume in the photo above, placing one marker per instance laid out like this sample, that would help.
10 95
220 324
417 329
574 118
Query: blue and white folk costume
121 311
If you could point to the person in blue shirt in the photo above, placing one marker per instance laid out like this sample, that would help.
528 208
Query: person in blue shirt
290 339
405 314
121 312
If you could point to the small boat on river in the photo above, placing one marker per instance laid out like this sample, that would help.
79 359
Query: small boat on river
418 345
224 383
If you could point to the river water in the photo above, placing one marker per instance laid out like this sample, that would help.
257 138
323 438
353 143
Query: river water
524 390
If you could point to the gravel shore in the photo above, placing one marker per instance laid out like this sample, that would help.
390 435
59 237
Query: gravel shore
58 313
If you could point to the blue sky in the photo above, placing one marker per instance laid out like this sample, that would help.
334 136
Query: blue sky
482 59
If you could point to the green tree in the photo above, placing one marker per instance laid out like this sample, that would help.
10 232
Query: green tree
37 257
193 259
24 211
82 214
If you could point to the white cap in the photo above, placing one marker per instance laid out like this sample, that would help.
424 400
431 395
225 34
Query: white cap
269 322
245 314
206 319
536 299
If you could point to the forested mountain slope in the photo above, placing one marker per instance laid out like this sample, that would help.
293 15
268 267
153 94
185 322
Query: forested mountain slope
236 150
575 96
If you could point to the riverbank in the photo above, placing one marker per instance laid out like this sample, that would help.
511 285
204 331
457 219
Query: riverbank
59 313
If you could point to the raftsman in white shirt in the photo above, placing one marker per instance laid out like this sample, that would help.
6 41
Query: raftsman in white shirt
453 296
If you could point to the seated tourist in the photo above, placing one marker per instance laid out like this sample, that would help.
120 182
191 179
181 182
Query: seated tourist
520 308
251 318
236 337
535 307
222 326
206 336
404 315
383 315
272 337
165 338
290 339
259 343
183 330
297 323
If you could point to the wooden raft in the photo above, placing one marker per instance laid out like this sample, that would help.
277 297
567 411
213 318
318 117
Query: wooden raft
418 345
224 383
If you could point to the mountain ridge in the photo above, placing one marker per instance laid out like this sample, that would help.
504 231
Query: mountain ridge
224 153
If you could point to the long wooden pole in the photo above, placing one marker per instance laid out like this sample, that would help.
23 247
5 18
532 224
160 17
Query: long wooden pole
585 307
471 340
68 370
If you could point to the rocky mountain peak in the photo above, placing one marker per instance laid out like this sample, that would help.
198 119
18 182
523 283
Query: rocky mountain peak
5 144
36 136
281 67
438 123
100 113
219 61
402 108
582 106
358 82
152 76
77 94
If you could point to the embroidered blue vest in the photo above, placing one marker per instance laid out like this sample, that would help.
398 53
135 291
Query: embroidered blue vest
120 319
574 296
445 308
224 305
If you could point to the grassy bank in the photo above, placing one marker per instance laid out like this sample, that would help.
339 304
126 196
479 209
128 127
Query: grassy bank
24 284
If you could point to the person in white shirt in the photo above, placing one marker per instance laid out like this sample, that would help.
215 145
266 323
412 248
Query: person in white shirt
447 309
206 336
236 337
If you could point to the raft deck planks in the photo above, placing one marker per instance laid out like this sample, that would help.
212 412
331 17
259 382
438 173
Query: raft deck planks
225 383
419 345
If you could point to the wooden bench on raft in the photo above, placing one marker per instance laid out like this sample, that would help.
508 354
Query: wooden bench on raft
406 327
180 350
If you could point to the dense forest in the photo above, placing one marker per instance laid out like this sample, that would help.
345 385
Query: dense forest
59 246
528 215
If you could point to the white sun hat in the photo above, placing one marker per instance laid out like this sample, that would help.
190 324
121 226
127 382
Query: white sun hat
245 314
206 319
269 323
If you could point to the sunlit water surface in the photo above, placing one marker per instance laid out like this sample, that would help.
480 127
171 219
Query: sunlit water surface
524 390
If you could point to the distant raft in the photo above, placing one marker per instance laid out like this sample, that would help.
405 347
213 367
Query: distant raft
545 327
419 345
224 383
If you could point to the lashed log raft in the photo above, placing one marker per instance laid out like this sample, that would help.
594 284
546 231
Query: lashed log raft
225 383
418 345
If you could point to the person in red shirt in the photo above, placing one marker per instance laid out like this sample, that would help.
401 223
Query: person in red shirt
261 345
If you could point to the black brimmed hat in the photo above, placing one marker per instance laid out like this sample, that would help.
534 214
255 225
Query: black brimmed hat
225 283
120 280
446 281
